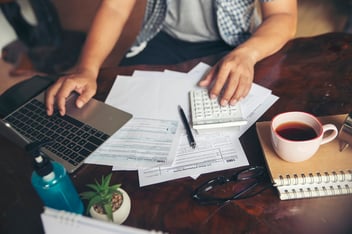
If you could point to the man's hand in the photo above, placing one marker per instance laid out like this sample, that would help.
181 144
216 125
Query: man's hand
231 78
83 82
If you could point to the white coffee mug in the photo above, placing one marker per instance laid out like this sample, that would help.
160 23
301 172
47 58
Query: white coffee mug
296 136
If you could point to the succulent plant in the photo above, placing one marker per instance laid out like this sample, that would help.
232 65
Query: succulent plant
102 195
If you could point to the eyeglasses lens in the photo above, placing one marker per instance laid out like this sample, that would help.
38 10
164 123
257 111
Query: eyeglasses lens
244 184
221 190
251 173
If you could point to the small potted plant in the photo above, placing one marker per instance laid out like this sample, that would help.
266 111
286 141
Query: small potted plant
107 202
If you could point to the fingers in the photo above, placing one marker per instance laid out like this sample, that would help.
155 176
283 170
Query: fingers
58 93
232 81
84 97
61 90
50 96
226 81
206 81
63 93
237 88
216 76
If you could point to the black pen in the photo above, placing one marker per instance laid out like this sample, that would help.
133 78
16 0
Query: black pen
185 122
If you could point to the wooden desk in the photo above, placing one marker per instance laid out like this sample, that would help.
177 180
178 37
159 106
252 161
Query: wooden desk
312 74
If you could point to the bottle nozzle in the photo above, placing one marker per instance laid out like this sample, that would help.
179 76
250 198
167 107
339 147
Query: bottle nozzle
41 163
34 147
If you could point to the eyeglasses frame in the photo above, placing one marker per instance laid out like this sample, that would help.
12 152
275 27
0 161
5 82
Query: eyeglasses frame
221 180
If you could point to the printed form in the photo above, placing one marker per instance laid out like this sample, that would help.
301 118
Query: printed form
141 143
218 150
152 97
214 152
154 141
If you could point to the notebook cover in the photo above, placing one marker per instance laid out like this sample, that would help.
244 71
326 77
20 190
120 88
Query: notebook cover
327 165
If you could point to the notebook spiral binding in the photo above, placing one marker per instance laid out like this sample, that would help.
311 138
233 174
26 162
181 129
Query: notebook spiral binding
316 191
315 178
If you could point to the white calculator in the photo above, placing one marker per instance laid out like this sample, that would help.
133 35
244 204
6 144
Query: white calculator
207 113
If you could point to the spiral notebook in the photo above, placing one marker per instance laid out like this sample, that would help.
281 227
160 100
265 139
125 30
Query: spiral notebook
327 173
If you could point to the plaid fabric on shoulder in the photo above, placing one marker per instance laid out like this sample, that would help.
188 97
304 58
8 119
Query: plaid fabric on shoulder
233 20
153 20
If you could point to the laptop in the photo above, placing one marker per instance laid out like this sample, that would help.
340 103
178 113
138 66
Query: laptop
71 138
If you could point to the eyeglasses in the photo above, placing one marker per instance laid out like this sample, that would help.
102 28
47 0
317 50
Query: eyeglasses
243 184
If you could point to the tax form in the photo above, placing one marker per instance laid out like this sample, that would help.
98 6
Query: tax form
214 152
152 97
141 143
151 137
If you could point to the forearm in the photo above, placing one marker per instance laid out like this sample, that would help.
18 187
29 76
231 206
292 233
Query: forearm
234 73
277 28
270 37
104 33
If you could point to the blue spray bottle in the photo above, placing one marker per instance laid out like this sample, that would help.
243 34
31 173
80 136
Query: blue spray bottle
52 182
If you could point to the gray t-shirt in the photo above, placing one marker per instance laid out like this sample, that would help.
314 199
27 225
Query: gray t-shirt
191 20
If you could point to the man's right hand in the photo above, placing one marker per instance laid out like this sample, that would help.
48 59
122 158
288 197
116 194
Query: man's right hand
82 81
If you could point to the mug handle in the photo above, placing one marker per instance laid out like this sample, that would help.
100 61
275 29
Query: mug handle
330 137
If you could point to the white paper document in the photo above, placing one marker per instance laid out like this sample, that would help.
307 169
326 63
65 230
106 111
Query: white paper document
154 140
141 143
60 221
214 152
153 100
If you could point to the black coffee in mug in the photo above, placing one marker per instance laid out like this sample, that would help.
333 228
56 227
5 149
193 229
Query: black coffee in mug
296 131
296 136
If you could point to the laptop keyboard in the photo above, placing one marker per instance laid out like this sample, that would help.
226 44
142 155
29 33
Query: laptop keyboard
72 140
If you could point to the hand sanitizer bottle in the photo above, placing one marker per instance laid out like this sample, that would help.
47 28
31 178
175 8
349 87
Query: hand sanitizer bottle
53 184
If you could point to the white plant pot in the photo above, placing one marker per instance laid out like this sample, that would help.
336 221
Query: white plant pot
120 215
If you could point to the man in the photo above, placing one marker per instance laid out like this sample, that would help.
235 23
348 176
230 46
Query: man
185 21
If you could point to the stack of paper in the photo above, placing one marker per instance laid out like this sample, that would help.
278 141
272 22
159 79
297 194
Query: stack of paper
60 221
154 142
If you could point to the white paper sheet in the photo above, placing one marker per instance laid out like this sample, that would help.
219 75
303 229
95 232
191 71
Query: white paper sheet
155 96
214 152
141 143
142 95
60 221
151 97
